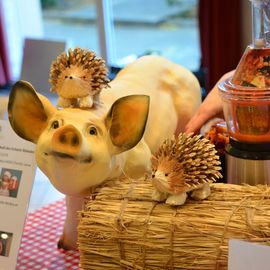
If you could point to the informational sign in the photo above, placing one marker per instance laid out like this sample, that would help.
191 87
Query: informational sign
17 172
248 256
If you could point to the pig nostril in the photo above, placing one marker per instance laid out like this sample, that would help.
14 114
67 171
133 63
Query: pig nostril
74 141
62 138
71 77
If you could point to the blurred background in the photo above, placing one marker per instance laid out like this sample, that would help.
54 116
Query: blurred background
206 36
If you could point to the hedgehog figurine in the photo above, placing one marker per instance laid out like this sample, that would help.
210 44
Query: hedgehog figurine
186 164
78 77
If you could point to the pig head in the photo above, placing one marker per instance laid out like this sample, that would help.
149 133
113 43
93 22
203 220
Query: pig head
79 149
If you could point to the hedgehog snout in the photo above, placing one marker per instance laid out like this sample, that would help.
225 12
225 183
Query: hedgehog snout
160 181
160 174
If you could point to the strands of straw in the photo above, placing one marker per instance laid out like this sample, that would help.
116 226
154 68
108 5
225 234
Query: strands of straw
123 229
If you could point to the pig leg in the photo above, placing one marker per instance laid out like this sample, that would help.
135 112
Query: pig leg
68 239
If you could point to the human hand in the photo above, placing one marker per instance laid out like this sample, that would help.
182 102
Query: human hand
210 108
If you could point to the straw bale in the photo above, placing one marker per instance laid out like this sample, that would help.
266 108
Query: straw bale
122 228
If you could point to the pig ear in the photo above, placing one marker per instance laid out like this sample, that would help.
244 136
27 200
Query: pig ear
26 111
126 121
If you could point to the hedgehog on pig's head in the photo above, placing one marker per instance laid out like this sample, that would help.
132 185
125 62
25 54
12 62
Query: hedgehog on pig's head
77 77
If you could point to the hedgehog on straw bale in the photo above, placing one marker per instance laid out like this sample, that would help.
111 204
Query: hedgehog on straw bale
78 77
186 164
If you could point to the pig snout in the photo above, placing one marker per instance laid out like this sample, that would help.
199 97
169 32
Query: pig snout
67 140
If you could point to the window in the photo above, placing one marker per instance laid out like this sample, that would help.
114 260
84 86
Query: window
71 21
137 27
165 27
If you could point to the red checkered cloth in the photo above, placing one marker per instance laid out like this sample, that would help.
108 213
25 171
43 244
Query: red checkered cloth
38 248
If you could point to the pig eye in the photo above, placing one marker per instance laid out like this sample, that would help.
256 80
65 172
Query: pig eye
55 124
166 174
93 131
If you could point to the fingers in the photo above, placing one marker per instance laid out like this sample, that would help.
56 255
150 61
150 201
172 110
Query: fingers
207 111
210 108
196 122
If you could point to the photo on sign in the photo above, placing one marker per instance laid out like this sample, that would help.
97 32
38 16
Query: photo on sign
10 182
5 243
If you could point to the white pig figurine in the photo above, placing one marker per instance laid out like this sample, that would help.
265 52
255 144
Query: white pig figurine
77 149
